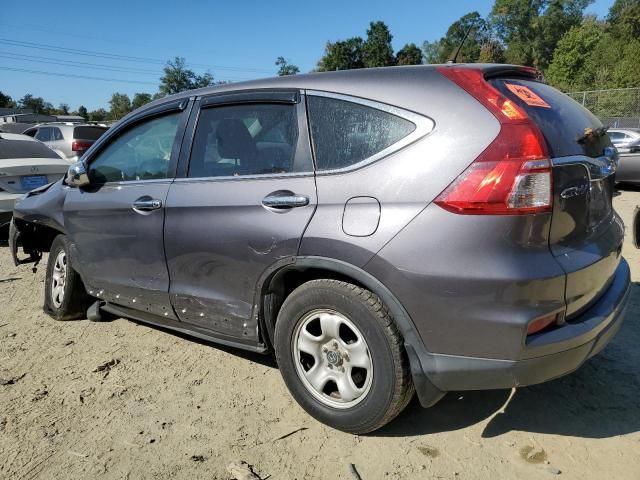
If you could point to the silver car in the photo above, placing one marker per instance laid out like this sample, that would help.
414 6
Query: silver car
25 164
627 141
69 140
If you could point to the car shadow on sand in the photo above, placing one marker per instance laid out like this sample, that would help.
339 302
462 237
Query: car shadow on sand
600 400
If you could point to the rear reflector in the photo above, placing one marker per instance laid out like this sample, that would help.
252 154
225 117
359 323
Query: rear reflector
541 323
79 145
512 176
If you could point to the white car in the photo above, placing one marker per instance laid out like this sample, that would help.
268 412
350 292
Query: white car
25 164
626 140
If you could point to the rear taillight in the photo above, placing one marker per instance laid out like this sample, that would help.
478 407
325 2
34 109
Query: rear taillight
513 174
79 145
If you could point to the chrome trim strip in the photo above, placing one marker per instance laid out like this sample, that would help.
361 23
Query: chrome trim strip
597 168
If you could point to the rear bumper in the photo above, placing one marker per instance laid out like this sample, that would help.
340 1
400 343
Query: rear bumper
558 352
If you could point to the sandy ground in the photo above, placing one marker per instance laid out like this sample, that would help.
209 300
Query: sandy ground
177 408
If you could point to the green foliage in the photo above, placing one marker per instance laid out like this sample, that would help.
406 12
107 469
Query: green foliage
286 68
6 101
342 55
120 105
444 49
37 104
377 50
531 29
63 109
410 54
82 111
140 99
177 78
98 115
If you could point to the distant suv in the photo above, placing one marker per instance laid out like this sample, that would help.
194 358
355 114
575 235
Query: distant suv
69 140
433 228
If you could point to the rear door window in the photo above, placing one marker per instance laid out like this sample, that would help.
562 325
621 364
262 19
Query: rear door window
346 133
44 134
568 127
57 134
237 140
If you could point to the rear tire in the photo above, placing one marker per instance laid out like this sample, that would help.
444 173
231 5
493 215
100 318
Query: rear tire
65 297
342 356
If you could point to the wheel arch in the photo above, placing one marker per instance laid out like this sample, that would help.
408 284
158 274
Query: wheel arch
274 289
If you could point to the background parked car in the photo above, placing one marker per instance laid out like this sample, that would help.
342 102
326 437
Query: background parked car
25 164
627 141
69 140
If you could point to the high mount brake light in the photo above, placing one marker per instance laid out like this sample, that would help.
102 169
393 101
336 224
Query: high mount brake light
512 176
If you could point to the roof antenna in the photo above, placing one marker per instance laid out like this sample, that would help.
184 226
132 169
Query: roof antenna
464 39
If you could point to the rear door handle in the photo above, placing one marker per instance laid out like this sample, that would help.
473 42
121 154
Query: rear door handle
147 204
284 200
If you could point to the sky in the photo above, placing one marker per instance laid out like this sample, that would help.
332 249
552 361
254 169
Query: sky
124 45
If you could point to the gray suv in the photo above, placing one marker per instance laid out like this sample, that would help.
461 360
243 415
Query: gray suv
382 231
69 140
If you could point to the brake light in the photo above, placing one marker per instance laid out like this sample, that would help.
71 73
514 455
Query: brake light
79 145
512 176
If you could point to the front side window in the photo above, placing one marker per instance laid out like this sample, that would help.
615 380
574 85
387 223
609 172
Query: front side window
345 133
239 140
141 153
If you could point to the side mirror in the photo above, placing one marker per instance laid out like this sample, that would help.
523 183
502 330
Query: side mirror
77 175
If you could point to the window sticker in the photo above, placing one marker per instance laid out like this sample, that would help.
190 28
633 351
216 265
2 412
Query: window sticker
527 95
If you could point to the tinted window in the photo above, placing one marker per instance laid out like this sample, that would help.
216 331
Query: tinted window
44 134
616 135
345 133
24 149
88 133
244 140
141 153
57 134
564 123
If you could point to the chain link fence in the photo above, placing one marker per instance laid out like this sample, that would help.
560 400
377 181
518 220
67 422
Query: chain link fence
619 107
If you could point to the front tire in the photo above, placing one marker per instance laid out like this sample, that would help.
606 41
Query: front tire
342 356
65 297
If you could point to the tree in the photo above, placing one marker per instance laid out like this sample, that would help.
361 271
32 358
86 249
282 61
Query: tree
286 68
98 115
140 99
37 104
6 101
570 68
120 105
342 55
410 54
82 111
476 30
491 52
63 108
177 78
377 50
531 29
624 18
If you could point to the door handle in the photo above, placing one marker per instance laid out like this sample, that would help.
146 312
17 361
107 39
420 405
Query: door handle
285 200
147 204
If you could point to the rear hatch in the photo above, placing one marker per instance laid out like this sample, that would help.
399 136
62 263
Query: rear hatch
85 136
586 234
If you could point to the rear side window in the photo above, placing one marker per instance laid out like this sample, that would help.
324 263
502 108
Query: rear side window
88 133
563 121
57 134
345 133
238 140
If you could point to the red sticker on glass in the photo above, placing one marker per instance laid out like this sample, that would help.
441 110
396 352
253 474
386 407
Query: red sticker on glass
527 95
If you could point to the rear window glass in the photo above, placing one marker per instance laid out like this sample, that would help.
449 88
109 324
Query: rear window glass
24 149
88 133
345 133
563 123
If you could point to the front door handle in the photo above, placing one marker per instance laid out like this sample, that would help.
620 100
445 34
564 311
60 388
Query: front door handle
147 204
285 200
